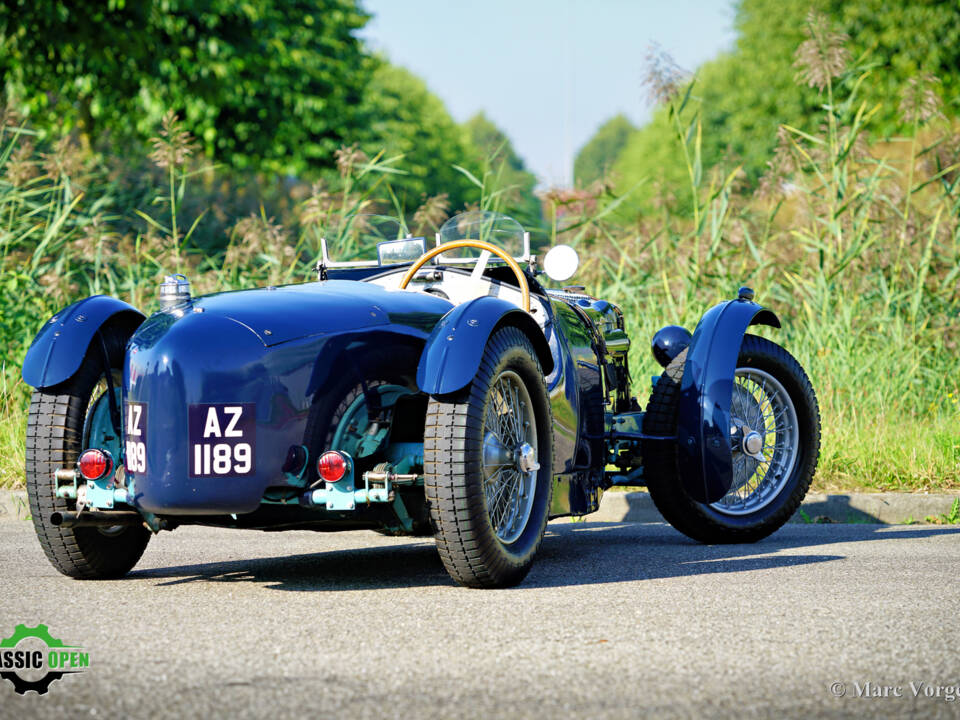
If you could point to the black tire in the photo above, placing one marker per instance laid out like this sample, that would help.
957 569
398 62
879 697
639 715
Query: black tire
54 435
701 521
471 550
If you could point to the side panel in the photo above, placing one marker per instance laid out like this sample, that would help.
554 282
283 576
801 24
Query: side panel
706 391
453 351
577 415
58 349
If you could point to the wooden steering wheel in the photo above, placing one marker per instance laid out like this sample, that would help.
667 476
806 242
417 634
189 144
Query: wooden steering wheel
478 270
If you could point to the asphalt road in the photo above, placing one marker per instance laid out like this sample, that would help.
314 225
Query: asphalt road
616 620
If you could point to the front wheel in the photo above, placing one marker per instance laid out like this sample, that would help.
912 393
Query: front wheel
775 435
487 466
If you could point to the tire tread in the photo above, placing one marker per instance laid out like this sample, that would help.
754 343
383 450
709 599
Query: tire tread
54 426
467 546
660 458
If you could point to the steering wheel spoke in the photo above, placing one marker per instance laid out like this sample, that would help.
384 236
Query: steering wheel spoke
481 265
487 250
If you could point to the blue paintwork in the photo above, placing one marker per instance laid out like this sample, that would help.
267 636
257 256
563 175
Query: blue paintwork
211 350
280 314
58 349
668 342
284 348
574 386
454 349
703 433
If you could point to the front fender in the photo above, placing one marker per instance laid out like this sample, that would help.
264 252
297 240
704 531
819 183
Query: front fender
704 454
452 354
58 349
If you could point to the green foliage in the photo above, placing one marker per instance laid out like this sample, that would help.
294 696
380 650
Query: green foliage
859 256
877 332
264 83
401 114
493 148
266 86
596 159
950 518
745 95
953 518
863 269
902 41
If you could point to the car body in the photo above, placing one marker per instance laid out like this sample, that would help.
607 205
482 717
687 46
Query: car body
228 405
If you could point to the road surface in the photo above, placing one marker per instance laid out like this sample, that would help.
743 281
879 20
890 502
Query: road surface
615 620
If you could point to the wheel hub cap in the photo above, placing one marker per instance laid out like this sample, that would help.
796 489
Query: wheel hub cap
752 443
495 455
526 458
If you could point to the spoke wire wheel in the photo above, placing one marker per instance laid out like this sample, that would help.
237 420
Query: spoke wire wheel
760 405
773 412
509 456
488 465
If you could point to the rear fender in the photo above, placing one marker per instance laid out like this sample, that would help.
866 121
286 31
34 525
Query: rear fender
58 349
452 354
704 454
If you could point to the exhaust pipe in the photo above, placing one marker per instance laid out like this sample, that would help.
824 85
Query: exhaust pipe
95 518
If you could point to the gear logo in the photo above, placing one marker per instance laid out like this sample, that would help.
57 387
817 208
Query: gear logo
32 658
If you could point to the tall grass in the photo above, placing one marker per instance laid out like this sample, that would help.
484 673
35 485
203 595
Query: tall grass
66 233
856 245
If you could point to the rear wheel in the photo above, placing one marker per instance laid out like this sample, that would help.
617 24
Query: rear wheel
360 414
775 434
487 464
60 422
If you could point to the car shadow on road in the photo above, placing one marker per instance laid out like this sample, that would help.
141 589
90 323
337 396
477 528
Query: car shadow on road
591 552
572 554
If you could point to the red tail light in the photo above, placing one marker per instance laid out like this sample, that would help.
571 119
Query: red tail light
332 466
94 464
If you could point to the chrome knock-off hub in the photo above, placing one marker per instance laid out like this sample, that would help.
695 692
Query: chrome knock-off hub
526 458
752 443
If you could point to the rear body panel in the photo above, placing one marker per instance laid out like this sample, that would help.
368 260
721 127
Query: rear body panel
270 350
271 353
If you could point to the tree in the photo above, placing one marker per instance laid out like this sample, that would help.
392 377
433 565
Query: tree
745 95
401 116
265 83
596 159
495 150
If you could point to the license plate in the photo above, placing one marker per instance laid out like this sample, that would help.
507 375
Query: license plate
135 449
222 439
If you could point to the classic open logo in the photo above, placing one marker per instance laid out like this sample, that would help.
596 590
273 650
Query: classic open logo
32 658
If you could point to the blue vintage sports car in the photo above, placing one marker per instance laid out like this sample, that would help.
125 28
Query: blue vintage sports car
424 391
